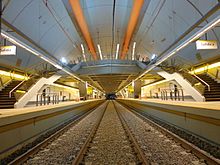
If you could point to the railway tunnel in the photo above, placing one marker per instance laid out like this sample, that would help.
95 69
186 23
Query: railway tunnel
110 82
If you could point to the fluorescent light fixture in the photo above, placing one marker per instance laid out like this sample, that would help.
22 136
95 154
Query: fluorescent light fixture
133 83
153 56
45 59
195 36
66 87
63 60
100 52
117 51
14 75
20 91
156 83
133 50
192 38
202 69
83 52
58 66
21 44
18 43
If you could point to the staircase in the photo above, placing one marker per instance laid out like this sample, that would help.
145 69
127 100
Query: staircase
5 100
214 93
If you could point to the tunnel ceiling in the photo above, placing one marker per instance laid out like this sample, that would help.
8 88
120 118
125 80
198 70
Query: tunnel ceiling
51 24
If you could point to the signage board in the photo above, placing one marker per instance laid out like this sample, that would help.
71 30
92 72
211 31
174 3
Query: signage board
8 50
89 90
206 44
130 88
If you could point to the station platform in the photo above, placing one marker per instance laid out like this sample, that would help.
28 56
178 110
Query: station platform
25 110
27 124
202 109
214 105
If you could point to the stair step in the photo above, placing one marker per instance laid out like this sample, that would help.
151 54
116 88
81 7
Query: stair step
6 106
212 99
6 94
212 96
214 87
212 83
4 101
7 89
211 92
7 98
7 103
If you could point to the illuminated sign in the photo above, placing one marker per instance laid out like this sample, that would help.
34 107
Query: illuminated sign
130 89
206 44
89 90
8 50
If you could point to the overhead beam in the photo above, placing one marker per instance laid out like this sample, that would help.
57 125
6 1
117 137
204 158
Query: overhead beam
81 21
135 12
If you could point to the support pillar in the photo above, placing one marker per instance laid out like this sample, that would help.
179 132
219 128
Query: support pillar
83 91
137 89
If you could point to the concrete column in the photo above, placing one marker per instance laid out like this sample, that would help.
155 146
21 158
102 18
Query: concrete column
137 89
82 90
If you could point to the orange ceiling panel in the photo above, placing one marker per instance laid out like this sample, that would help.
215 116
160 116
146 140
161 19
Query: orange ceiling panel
135 12
79 16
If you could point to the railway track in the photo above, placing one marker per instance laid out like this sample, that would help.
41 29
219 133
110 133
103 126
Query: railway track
114 134
21 159
111 142
202 156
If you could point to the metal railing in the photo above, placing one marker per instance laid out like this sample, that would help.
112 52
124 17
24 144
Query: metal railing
202 81
173 95
3 84
25 86
15 88
47 98
192 80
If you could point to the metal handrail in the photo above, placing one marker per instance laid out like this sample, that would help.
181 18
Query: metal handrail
164 95
44 96
1 83
190 78
4 84
16 87
202 81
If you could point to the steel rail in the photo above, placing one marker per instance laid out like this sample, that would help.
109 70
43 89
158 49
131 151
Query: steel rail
137 148
22 158
185 144
83 149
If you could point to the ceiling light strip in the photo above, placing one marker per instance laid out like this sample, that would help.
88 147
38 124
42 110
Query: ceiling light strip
83 52
117 51
100 52
195 36
135 12
28 48
21 44
81 20
133 50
